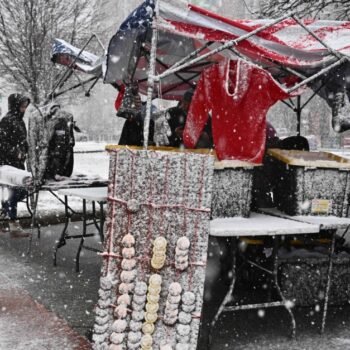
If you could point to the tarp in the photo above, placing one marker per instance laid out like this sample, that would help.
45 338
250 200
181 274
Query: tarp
84 61
183 28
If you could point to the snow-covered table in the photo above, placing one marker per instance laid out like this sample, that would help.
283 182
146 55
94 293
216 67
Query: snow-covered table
324 222
77 180
259 224
91 194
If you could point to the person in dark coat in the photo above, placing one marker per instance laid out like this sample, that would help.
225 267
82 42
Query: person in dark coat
14 149
177 116
132 132
177 119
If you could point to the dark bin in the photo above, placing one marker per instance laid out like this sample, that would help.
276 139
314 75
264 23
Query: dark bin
311 183
304 280
232 189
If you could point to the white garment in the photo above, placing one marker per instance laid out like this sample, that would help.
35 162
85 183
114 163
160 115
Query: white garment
162 129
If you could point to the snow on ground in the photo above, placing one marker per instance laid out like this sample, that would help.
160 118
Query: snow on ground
89 146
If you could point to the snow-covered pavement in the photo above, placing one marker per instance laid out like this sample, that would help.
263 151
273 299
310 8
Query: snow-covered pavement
72 296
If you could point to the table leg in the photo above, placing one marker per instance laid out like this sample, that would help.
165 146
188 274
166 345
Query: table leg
77 268
275 278
32 224
228 296
62 241
102 221
329 280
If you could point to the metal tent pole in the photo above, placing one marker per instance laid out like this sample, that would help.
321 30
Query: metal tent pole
151 76
321 72
298 112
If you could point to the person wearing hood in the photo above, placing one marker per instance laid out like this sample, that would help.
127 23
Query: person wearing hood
13 150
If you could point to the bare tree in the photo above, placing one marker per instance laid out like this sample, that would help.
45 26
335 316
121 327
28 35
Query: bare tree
27 30
324 9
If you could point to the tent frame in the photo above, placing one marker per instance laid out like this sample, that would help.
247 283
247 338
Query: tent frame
70 71
196 57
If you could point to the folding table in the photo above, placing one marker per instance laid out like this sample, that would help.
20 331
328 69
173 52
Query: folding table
259 225
91 194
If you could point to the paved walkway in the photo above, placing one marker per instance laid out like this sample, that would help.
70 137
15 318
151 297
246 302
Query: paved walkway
26 324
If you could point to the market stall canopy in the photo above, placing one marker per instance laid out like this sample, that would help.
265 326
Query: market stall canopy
184 28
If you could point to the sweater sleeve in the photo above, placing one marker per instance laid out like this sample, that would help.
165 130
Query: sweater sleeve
198 114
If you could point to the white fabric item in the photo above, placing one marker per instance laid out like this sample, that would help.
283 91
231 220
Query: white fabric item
12 176
161 130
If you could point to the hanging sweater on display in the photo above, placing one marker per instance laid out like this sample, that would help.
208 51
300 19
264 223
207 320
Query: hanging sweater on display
238 96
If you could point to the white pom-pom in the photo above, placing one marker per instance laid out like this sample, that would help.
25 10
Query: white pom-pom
117 338
169 321
183 243
183 329
181 252
128 264
181 267
135 326
175 288
126 288
183 339
128 240
128 253
119 326
101 329
121 311
188 308
181 259
166 347
137 307
182 347
141 288
134 337
128 276
171 306
106 282
139 299
174 299
185 318
137 315
100 338
104 294
102 320
104 303
124 299
135 346
101 312
188 298
171 313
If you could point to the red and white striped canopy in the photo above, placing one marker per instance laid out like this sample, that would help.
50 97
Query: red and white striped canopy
183 28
